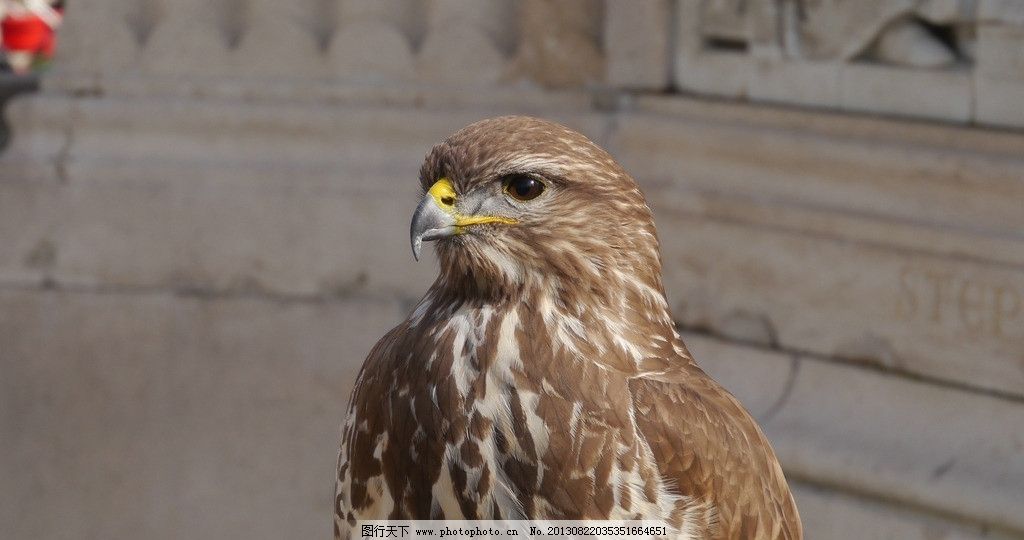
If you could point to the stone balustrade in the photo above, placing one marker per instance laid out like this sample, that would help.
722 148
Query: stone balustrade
952 60
202 46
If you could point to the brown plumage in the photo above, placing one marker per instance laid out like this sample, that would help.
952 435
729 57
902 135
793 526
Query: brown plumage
541 375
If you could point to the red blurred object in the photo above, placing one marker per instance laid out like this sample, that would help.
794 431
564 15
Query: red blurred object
27 33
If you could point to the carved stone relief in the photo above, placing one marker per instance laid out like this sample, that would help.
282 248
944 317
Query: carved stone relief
911 32
904 57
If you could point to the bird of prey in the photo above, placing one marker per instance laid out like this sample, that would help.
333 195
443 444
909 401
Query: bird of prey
541 376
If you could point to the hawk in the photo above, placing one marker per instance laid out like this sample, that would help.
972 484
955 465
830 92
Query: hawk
541 376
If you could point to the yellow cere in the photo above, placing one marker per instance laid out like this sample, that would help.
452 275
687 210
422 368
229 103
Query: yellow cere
443 193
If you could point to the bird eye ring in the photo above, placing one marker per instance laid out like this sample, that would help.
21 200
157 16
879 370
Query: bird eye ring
523 188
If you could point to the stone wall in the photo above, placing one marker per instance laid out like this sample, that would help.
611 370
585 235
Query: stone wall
203 220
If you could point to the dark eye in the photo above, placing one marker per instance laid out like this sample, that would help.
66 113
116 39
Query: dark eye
523 188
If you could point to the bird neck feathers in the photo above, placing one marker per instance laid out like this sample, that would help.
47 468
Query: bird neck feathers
616 319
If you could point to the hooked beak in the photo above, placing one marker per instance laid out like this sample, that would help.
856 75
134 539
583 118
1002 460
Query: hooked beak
436 217
429 222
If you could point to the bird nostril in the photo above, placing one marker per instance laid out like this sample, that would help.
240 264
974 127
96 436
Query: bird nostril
448 201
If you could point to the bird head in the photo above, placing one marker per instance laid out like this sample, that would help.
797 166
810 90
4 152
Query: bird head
516 200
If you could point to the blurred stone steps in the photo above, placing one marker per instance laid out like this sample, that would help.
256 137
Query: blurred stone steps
864 431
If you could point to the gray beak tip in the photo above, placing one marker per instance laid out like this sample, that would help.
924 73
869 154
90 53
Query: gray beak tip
429 222
417 245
